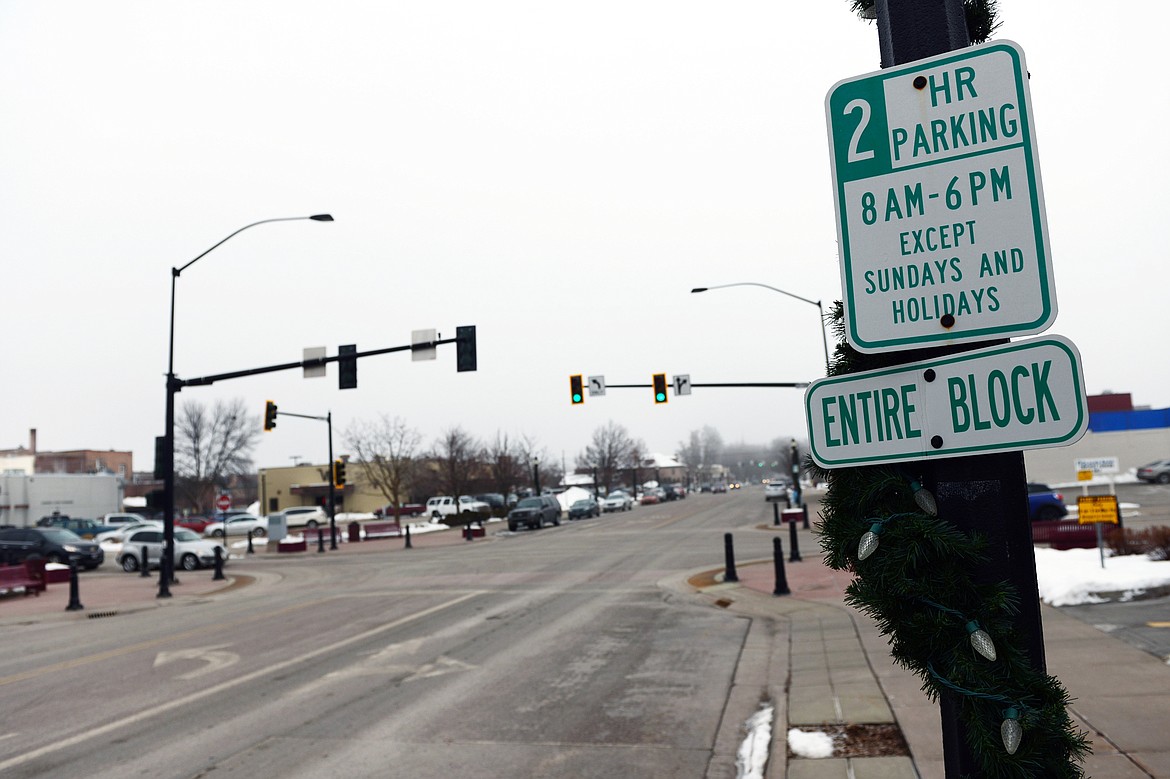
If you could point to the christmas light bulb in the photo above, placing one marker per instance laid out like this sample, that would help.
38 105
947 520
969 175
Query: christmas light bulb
981 640
924 499
869 541
1010 730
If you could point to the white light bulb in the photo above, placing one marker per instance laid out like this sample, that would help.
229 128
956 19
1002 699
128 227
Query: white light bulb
924 499
981 640
869 542
1010 731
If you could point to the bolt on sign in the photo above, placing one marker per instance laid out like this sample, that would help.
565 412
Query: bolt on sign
941 227
1023 395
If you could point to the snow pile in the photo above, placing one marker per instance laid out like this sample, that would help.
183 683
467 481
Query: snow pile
1073 576
753 752
811 744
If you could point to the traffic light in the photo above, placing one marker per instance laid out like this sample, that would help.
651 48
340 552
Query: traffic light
465 348
346 367
660 388
269 415
576 391
339 473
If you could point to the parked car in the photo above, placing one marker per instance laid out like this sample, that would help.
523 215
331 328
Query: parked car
719 488
584 508
445 506
191 551
118 534
239 525
304 516
535 512
617 500
55 544
404 510
122 518
1156 472
85 528
197 524
650 497
493 499
1044 503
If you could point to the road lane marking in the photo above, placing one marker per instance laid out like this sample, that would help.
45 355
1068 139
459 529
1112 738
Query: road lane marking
215 658
176 703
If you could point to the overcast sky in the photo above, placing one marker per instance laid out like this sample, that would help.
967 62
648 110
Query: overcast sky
559 175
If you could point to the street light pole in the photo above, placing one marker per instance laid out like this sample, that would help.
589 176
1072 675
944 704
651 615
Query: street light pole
166 564
817 303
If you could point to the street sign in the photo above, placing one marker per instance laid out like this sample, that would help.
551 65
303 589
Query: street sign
422 346
223 501
682 384
941 227
313 353
1084 475
1097 464
596 386
1023 395
1096 508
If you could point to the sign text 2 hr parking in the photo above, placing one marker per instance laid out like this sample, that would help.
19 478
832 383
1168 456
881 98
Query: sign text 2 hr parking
1023 395
940 212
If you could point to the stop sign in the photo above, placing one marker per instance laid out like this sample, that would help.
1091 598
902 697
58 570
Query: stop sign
223 502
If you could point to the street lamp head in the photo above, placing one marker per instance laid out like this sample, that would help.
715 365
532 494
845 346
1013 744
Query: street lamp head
322 217
698 289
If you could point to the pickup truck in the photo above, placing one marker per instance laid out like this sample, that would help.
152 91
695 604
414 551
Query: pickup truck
445 506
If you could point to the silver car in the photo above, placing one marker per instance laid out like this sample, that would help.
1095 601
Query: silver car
191 551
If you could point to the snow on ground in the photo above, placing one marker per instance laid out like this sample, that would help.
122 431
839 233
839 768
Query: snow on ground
753 752
1073 576
810 744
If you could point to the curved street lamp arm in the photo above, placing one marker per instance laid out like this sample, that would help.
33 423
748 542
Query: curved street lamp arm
758 284
315 217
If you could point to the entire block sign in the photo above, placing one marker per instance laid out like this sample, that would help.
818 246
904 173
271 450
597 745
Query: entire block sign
940 212
1024 395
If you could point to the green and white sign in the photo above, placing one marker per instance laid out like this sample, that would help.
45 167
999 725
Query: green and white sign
940 212
1023 395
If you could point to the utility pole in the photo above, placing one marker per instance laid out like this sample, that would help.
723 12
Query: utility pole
985 494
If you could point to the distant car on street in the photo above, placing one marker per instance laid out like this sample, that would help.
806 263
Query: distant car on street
535 512
719 488
584 508
618 500
304 516
1045 504
1157 472
191 551
775 490
86 528
239 525
55 544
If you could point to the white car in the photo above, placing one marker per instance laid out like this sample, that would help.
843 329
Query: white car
239 525
444 506
122 518
306 516
617 501
775 490
191 551
117 535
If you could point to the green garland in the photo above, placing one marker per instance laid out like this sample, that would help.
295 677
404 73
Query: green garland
918 585
982 16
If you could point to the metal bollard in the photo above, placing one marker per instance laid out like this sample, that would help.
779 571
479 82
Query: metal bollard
806 525
145 562
320 542
250 549
795 556
729 574
408 544
333 534
776 513
74 598
218 565
778 562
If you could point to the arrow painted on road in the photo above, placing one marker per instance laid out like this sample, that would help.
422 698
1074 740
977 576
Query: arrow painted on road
214 656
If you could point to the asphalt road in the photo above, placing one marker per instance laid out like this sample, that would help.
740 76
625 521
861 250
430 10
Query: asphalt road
542 653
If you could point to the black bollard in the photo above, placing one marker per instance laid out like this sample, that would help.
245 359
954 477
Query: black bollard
218 565
729 574
470 533
250 549
145 563
408 544
74 598
320 542
806 525
333 534
795 556
778 562
776 513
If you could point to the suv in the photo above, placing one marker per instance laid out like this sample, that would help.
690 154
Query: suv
86 528
1156 472
55 544
534 512
309 516
445 506
1044 503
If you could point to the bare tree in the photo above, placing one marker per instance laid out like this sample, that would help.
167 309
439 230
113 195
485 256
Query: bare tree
534 456
505 459
211 447
456 454
611 450
690 453
386 454
712 445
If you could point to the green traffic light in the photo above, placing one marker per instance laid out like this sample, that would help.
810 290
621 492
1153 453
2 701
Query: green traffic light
661 397
576 398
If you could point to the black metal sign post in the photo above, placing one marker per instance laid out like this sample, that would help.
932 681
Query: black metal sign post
984 494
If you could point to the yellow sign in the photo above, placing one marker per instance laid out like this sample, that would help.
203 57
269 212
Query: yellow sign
1096 508
1084 475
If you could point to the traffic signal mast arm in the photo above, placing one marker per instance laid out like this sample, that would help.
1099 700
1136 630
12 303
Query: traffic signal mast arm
790 384
316 362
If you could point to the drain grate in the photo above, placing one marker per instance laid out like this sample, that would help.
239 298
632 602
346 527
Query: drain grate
100 614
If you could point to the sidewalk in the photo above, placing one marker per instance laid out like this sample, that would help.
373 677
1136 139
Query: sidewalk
840 672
